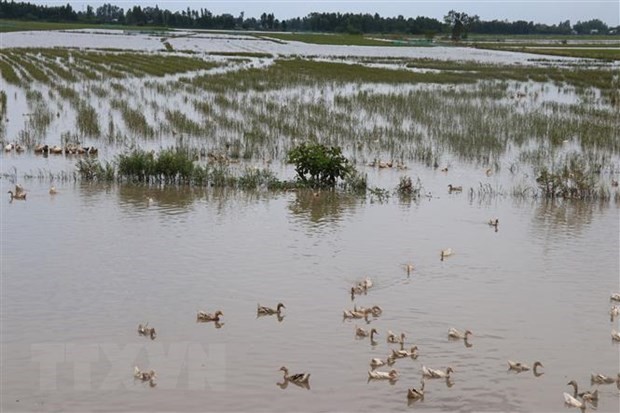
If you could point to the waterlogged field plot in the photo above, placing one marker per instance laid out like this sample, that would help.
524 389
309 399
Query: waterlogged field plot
162 179
528 122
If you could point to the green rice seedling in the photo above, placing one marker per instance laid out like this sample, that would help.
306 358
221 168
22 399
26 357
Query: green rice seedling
136 166
221 177
90 169
134 119
168 46
181 123
99 91
254 178
87 120
174 166
3 104
68 94
8 74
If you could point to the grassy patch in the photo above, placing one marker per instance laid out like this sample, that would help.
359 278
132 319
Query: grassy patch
335 39
243 54
597 52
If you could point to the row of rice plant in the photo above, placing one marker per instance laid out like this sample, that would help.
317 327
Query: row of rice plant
462 109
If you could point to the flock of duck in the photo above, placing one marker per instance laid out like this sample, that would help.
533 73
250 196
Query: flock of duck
20 193
302 379
70 149
577 399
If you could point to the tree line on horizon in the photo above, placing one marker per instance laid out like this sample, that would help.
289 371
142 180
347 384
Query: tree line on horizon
459 24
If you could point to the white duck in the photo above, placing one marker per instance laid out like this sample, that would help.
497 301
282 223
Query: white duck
399 354
366 284
354 314
436 374
446 253
409 268
383 375
571 401
602 379
393 338
456 334
586 396
519 367
416 394
375 310
615 335
615 297
143 375
360 332
614 312
374 363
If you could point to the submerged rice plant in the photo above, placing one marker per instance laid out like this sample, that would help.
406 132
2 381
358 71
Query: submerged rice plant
87 120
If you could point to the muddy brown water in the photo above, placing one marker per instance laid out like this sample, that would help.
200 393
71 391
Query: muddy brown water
81 269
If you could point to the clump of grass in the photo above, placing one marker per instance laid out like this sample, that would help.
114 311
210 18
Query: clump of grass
90 169
572 179
170 166
406 187
138 166
254 178
356 183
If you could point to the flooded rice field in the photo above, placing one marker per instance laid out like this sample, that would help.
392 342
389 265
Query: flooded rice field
83 267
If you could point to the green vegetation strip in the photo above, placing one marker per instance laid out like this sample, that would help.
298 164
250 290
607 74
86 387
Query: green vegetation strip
305 72
598 52
21 25
93 64
334 39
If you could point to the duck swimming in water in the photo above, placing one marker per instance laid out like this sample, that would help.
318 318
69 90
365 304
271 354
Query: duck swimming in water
392 375
269 311
295 378
436 374
203 316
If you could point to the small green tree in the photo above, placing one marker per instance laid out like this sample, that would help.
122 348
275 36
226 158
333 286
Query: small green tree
460 23
318 164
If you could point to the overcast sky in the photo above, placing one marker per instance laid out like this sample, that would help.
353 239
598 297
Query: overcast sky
539 11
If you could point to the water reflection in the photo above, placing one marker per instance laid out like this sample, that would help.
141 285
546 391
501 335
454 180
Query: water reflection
92 194
279 317
320 208
567 216
172 200
285 384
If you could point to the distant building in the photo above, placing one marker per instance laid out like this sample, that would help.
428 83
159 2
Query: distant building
594 31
